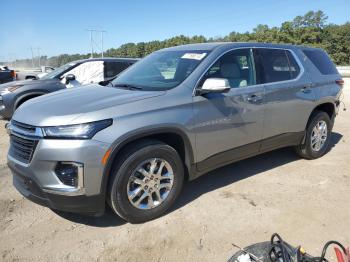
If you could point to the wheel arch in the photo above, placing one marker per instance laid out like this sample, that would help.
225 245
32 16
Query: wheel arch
328 107
172 136
20 100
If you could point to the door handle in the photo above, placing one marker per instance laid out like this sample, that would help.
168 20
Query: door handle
254 98
306 89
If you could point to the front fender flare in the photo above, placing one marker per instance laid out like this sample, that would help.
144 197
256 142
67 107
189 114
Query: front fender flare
139 134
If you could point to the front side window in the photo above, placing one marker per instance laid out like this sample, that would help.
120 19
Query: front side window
57 73
161 70
275 65
236 66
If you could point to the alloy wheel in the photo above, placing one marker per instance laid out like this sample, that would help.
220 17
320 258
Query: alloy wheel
150 183
319 136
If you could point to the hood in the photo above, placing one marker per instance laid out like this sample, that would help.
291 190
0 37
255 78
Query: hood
25 83
66 106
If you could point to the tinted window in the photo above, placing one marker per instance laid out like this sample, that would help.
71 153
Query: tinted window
274 65
294 67
236 66
321 60
114 68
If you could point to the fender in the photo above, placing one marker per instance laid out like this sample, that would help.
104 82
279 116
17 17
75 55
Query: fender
20 98
142 133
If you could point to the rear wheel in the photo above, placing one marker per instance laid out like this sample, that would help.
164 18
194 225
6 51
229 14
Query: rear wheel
317 136
147 181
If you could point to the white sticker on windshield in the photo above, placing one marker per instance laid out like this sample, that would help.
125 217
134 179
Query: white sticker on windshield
195 56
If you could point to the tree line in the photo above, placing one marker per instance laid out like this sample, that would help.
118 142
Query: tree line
311 29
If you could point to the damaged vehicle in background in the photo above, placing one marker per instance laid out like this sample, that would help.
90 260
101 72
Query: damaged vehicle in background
83 72
7 75
34 73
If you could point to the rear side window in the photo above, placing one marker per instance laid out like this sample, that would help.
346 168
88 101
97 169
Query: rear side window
275 65
114 68
322 61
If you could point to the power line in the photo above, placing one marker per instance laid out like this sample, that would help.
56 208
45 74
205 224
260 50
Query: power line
38 49
93 42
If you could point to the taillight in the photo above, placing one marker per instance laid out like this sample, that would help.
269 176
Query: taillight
13 74
339 82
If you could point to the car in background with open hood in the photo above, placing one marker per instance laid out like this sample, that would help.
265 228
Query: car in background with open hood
82 72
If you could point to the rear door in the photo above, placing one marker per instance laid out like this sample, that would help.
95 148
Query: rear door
228 126
289 96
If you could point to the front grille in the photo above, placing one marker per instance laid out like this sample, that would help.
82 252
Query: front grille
22 149
24 127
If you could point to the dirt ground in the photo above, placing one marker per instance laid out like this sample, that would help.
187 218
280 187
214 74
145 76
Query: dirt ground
307 202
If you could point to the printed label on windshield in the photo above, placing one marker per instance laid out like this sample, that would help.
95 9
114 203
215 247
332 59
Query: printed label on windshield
195 56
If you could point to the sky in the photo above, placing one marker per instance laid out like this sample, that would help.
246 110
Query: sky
60 26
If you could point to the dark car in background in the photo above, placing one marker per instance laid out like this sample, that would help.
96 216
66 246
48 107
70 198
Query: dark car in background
6 74
88 71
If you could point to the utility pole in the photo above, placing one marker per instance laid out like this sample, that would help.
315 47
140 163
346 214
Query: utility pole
31 49
92 42
39 56
102 43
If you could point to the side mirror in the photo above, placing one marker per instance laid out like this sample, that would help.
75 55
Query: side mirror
69 77
214 85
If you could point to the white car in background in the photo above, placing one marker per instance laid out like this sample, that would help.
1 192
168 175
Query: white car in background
77 73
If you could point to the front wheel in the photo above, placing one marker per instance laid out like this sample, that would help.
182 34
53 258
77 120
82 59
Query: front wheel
147 181
317 136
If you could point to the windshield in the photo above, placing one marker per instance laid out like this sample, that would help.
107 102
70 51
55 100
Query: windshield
58 71
160 70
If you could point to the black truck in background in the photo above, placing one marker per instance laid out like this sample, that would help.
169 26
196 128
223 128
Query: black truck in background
6 75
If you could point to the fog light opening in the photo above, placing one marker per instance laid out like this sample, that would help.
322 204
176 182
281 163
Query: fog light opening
70 173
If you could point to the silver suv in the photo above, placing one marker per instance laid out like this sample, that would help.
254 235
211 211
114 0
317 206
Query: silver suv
175 115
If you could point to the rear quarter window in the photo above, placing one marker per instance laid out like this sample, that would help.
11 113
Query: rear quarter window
321 61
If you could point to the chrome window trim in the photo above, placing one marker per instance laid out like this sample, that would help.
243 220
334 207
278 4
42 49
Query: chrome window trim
301 72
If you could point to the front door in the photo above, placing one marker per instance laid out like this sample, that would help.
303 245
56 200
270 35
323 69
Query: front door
228 126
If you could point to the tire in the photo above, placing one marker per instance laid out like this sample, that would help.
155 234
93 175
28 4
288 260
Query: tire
307 148
124 172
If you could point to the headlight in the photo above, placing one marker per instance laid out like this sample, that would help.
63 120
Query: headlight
80 131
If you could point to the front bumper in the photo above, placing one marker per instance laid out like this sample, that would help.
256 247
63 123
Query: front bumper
38 182
77 204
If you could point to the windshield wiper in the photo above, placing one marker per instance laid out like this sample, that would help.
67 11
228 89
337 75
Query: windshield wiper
127 86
